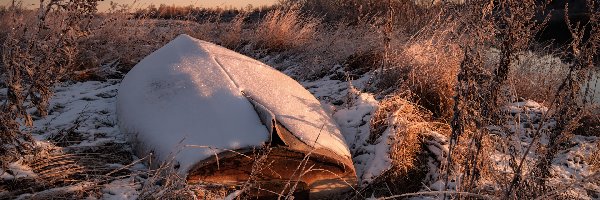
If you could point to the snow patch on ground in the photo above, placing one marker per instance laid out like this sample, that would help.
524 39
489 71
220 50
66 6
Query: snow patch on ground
82 116
87 109
353 113
122 189
568 166
370 160
17 170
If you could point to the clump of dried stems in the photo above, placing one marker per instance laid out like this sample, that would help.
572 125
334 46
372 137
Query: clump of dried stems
410 126
38 50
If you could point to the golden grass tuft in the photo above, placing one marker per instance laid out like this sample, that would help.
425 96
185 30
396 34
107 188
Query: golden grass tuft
428 69
433 77
285 29
409 124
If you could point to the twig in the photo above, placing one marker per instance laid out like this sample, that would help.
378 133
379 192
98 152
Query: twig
439 192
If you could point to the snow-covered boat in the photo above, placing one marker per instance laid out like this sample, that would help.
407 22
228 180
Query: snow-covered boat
215 112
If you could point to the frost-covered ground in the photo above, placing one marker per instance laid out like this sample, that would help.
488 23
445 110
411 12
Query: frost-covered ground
82 129
82 118
571 169
353 109
82 121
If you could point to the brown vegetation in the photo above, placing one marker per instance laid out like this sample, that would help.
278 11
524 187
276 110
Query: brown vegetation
410 126
448 68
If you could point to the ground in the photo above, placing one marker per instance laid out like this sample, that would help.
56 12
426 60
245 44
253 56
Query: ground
82 129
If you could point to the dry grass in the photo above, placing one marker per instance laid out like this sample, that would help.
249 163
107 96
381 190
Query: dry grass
285 29
425 70
409 125
422 68
166 183
432 77
588 124
232 37
70 174
594 159
337 44
472 157
525 79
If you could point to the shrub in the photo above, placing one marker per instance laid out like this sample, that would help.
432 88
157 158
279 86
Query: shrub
432 74
425 69
33 59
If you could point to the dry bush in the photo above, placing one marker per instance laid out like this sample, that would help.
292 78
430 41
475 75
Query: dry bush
39 50
432 67
468 161
588 124
426 67
483 89
285 29
571 97
5 21
513 26
532 76
472 156
409 125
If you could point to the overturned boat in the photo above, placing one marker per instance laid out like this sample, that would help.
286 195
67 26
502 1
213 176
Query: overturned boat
215 113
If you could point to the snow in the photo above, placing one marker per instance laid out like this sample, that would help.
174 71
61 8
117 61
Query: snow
121 189
569 165
370 160
191 92
438 146
594 84
379 160
58 191
353 115
233 195
17 170
293 106
88 108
